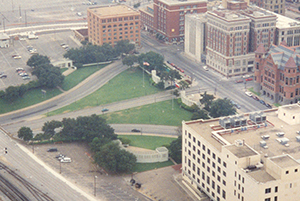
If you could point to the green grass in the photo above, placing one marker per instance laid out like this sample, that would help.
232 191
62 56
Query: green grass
277 105
160 113
141 167
126 85
62 70
147 142
30 98
252 90
79 75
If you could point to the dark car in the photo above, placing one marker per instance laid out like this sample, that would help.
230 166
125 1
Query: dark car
268 105
255 98
135 130
3 76
262 102
104 110
52 150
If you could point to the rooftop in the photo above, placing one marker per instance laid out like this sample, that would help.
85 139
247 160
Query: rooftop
284 161
241 151
284 22
177 2
113 10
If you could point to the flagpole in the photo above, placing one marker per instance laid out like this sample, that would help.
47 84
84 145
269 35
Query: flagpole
143 77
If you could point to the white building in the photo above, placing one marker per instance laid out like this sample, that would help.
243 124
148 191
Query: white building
254 157
194 33
4 40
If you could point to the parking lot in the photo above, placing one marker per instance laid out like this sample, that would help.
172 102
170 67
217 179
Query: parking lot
81 171
48 44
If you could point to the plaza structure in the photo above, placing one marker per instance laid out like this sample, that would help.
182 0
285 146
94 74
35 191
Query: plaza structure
110 24
249 157
165 18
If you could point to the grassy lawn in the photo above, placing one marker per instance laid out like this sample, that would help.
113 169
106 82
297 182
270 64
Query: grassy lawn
159 113
147 142
252 90
141 167
277 105
79 75
30 98
126 85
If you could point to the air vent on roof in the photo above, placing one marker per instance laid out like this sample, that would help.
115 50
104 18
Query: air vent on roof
225 123
258 117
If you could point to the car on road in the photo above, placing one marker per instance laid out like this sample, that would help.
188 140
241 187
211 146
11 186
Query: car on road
268 105
249 79
104 110
53 149
248 93
262 102
255 98
135 130
239 81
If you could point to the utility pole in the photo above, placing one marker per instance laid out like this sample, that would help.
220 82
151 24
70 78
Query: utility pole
25 19
3 20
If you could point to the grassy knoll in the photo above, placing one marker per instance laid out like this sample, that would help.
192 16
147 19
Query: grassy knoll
141 167
126 85
159 113
79 75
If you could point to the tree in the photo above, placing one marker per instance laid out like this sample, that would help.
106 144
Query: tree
207 100
48 75
25 133
124 46
129 60
221 107
11 93
155 60
49 128
199 114
175 149
36 60
114 159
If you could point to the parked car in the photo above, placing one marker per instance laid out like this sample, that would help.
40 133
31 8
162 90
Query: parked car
255 98
237 106
18 69
262 102
268 105
249 79
135 130
104 110
26 78
17 57
53 149
66 160
3 76
248 93
205 68
239 81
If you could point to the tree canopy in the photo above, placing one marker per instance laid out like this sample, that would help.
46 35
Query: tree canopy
175 149
25 133
129 60
207 100
37 60
221 107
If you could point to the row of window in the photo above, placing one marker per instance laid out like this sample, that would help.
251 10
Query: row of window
117 19
120 37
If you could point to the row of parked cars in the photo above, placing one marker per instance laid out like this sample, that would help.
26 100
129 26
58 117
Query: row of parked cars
22 73
257 99
60 157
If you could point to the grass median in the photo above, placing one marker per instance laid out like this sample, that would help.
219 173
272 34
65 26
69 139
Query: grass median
160 113
127 85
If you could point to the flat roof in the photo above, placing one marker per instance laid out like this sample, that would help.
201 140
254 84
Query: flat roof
113 10
286 22
241 151
186 2
284 161
261 175
294 108
251 136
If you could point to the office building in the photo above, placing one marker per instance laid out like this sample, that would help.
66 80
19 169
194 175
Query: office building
276 6
250 157
110 24
166 19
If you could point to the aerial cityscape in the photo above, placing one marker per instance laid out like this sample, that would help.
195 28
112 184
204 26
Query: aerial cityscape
150 100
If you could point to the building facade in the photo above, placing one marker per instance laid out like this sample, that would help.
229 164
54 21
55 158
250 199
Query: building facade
276 6
244 158
277 73
195 36
110 24
168 17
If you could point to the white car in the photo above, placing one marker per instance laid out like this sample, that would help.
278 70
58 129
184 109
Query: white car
205 68
66 160
17 57
248 93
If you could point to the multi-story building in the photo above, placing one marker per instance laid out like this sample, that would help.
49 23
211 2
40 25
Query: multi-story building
288 30
276 6
168 17
195 36
252 157
277 73
110 24
147 18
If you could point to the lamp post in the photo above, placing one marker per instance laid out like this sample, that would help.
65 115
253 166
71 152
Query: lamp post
59 167
95 183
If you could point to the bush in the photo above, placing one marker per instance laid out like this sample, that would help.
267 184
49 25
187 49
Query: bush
125 140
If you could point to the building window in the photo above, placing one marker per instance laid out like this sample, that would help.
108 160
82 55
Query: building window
268 190
287 172
268 199
224 194
276 189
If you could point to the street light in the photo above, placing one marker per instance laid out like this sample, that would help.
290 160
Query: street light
95 182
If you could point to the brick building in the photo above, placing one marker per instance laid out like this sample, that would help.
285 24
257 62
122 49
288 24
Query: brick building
276 6
166 19
110 24
277 73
